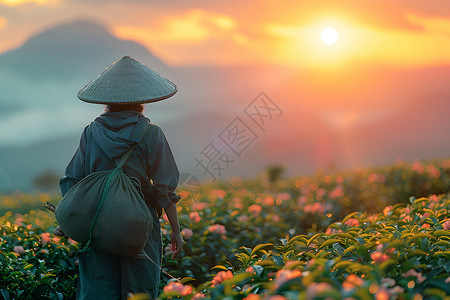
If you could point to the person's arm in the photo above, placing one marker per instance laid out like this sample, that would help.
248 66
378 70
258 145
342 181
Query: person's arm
164 173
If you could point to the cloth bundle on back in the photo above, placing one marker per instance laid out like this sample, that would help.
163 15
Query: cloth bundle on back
123 167
107 209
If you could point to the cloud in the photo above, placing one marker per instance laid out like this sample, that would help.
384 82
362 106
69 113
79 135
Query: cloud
3 22
194 35
20 2
192 26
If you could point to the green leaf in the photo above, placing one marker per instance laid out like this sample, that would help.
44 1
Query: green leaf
237 278
187 279
313 238
351 248
329 242
386 265
219 267
265 262
259 247
349 216
343 264
439 233
5 294
246 250
258 269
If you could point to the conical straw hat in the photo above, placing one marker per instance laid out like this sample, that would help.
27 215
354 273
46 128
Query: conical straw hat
127 81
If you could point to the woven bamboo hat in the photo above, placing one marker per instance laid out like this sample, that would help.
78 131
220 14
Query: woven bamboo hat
127 81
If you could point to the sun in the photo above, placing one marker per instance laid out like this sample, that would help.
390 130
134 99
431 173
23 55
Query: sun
329 36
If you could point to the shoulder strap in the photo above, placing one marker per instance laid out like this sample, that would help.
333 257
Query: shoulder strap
127 154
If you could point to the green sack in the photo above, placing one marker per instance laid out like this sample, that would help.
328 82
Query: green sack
107 210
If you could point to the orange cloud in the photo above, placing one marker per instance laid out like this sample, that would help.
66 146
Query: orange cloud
3 22
19 2
186 37
195 25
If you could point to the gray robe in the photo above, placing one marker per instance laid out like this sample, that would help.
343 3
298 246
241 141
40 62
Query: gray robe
104 275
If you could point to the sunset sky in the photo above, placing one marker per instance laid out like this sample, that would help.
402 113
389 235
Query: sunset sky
407 33
374 89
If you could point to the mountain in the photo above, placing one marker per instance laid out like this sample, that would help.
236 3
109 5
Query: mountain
76 50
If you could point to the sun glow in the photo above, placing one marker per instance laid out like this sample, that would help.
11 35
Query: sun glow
329 36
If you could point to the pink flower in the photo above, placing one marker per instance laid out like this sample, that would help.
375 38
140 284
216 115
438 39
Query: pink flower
268 201
221 276
387 211
178 287
254 209
284 275
219 193
194 216
284 196
351 282
238 205
314 208
320 193
19 249
382 294
434 198
19 220
425 225
378 257
198 296
199 206
243 218
417 167
396 290
337 192
352 222
446 225
186 233
217 228
45 238
414 273
276 218
165 218
302 201
250 270
315 288
388 282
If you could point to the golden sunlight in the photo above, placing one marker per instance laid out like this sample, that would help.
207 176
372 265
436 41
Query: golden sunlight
329 36
19 2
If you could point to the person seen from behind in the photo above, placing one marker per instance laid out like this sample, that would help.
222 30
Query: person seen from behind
124 87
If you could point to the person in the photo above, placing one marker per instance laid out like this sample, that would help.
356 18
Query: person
124 87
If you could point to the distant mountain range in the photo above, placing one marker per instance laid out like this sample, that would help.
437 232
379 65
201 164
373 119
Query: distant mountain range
41 119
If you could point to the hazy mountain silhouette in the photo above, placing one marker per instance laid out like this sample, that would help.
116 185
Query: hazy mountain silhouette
39 82
76 50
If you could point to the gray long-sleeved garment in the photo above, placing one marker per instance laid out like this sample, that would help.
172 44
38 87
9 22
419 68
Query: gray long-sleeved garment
111 135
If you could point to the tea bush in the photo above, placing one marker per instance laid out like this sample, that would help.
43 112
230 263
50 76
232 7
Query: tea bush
355 234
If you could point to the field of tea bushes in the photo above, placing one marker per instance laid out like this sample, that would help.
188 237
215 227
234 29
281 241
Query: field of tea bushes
380 233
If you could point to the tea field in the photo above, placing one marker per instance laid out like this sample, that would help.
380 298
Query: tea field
379 233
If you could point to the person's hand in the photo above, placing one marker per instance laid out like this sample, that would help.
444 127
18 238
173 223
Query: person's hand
177 243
